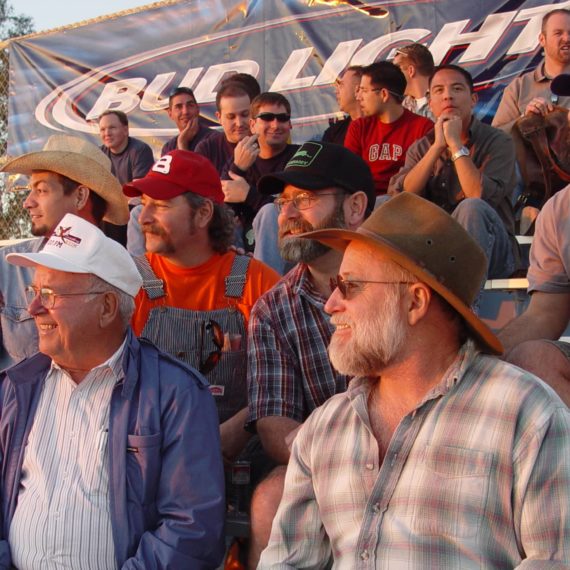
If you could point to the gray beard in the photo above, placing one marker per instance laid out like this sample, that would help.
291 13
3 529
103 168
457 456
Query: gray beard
296 250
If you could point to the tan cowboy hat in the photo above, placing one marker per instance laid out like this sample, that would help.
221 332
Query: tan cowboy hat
82 162
423 238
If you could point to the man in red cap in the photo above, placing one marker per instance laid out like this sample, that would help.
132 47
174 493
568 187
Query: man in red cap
197 294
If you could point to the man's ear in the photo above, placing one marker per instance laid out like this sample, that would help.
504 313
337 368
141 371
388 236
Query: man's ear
109 309
354 209
204 214
474 99
81 197
420 297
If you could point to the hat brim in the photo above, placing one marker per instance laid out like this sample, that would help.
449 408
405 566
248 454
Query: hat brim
275 183
154 188
81 169
45 259
339 239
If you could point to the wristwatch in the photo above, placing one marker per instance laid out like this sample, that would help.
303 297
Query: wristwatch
463 151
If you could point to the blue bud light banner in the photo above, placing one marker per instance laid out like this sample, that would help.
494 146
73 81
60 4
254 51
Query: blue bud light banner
61 81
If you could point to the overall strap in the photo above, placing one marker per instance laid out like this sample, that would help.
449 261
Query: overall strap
235 281
153 286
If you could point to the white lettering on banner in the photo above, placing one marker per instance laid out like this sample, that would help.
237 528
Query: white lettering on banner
370 51
287 78
480 44
118 95
205 93
526 40
162 165
59 108
336 63
152 99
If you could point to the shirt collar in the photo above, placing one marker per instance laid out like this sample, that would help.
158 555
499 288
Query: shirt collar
113 363
360 387
540 74
305 286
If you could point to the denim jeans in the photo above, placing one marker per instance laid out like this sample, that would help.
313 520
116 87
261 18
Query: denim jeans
484 225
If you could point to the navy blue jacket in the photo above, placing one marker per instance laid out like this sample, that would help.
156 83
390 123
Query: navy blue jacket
166 479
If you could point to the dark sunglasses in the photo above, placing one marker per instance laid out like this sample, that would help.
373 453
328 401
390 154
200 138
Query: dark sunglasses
348 286
217 337
268 117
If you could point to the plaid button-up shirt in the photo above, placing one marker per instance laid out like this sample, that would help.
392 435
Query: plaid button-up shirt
477 476
289 371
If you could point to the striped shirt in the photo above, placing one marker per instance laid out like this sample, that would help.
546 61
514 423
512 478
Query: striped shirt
62 518
477 476
289 371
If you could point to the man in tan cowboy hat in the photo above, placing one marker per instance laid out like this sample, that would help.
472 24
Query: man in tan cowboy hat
439 455
69 176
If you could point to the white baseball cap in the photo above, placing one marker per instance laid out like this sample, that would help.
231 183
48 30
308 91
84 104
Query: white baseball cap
77 246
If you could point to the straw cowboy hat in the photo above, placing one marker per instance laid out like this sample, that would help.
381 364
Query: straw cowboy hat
423 238
82 162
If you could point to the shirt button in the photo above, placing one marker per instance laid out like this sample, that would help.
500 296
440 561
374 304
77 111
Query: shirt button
370 466
364 555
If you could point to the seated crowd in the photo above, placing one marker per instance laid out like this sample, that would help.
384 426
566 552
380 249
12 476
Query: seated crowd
338 372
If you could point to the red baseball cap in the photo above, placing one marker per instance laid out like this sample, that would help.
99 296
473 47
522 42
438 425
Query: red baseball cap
178 172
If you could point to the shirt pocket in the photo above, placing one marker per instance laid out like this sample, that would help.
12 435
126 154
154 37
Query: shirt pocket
18 332
143 467
454 491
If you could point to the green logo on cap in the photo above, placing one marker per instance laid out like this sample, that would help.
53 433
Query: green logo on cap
305 156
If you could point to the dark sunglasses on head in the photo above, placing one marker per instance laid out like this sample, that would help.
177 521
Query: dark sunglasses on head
217 336
281 117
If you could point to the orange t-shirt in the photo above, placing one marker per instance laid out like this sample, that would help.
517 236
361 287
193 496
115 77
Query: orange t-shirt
202 288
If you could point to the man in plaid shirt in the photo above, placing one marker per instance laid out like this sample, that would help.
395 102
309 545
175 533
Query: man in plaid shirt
439 455
289 373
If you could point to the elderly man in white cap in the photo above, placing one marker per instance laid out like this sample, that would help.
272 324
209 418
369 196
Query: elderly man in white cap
438 455
110 448
70 175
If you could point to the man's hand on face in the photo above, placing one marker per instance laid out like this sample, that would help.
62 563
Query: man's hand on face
538 106
236 189
439 142
452 126
188 133
246 151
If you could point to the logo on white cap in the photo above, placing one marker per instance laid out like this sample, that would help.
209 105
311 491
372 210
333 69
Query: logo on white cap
63 236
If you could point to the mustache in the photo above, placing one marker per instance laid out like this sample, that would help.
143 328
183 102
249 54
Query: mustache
295 225
153 229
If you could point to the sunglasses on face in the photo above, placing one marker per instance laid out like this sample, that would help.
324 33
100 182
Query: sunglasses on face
214 330
347 287
269 117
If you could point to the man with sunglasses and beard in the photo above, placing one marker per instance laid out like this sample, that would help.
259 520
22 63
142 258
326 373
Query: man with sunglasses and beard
197 295
438 455
289 373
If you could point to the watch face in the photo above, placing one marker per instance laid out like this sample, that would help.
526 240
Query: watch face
463 151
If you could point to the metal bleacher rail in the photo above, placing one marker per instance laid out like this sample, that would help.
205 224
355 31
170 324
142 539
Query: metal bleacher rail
515 283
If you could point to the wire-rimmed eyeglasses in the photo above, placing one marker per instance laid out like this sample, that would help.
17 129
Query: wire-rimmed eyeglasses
47 296
350 286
